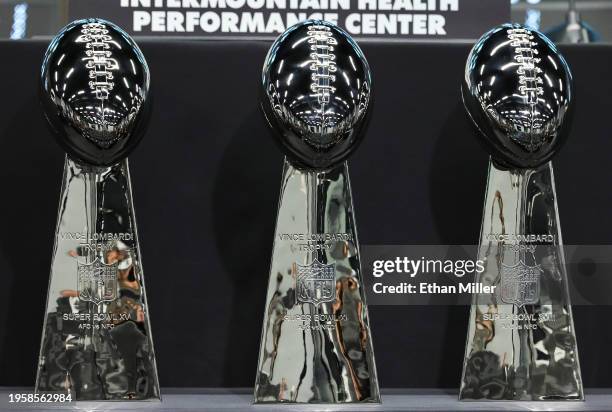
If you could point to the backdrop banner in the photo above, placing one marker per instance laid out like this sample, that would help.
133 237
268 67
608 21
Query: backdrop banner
398 19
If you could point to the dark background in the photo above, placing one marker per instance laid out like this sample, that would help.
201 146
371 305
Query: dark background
206 180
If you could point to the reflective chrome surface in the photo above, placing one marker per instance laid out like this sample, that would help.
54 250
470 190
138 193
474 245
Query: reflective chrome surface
96 342
521 342
316 93
518 90
94 91
316 345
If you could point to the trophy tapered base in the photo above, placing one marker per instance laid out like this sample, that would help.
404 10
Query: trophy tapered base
521 342
96 342
316 345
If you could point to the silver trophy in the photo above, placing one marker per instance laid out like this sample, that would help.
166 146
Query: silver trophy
316 345
96 342
521 342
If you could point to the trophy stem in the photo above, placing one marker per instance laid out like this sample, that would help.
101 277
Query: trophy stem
96 341
521 342
316 345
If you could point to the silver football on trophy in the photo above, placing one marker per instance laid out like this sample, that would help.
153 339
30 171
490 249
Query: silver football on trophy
518 90
95 91
316 93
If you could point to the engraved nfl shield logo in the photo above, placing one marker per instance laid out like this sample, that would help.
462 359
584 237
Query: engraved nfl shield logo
316 283
97 281
520 284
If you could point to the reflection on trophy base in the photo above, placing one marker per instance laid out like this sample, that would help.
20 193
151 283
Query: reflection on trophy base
521 341
316 345
485 379
96 342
